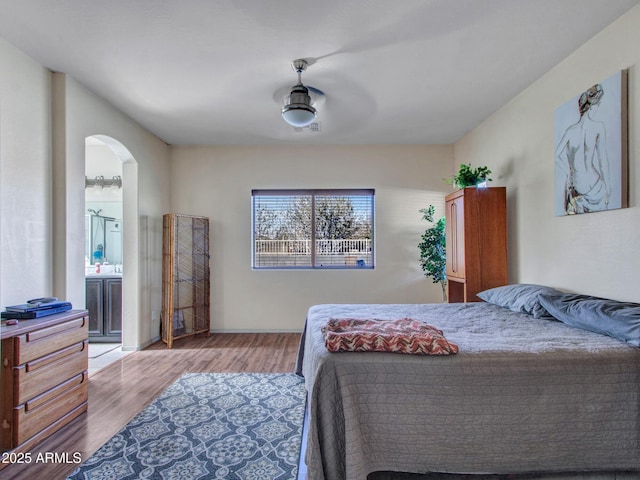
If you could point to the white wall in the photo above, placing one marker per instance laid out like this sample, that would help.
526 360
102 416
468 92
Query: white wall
216 182
593 253
78 114
25 178
44 121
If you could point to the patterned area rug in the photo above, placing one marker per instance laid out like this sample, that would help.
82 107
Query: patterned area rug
210 426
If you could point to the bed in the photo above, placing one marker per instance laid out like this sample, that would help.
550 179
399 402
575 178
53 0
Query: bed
525 393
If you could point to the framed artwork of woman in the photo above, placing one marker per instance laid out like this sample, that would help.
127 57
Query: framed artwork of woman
591 148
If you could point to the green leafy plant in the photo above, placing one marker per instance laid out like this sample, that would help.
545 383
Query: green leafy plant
469 177
432 250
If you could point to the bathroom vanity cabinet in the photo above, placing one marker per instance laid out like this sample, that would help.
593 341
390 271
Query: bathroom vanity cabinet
104 302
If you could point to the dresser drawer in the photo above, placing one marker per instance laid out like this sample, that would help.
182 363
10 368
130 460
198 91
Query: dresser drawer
38 376
38 413
47 340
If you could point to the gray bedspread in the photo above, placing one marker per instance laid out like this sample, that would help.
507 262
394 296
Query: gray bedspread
522 395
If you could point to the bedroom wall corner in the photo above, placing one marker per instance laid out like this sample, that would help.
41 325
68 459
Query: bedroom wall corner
591 253
146 163
216 182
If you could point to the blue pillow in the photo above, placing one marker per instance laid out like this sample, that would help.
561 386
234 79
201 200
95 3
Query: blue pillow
520 297
619 320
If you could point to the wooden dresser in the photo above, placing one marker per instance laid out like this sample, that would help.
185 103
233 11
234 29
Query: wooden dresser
44 377
476 249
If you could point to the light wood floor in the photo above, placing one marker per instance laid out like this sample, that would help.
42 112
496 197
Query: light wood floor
121 390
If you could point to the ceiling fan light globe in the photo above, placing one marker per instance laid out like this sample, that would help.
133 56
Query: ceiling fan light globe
299 114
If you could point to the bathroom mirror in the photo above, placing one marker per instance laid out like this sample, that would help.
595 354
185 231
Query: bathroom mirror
104 238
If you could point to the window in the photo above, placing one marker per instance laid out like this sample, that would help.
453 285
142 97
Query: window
313 228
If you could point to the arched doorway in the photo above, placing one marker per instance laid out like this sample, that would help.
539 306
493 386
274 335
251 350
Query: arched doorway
130 235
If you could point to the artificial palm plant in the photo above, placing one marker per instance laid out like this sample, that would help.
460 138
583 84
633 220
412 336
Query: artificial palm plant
432 250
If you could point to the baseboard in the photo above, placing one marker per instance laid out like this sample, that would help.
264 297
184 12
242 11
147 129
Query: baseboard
254 331
141 346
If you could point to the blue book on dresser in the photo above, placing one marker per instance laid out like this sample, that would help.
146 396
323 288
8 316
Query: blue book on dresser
36 308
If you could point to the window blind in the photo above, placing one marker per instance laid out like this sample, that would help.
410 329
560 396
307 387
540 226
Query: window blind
313 228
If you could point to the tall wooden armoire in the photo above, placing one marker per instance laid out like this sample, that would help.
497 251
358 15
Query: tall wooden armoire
185 276
476 249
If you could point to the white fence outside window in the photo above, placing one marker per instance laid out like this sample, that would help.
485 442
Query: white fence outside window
340 252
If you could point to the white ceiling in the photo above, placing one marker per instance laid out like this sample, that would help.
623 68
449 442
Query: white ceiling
204 72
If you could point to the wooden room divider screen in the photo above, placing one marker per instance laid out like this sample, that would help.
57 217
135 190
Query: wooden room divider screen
185 276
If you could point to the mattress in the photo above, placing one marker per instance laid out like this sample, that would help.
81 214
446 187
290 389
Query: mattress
521 395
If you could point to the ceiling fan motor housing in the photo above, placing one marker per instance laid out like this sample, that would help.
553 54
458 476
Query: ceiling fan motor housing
298 110
299 96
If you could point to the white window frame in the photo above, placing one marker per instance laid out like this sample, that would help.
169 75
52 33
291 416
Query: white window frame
362 259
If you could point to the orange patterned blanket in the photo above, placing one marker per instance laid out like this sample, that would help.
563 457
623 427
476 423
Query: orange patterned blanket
404 335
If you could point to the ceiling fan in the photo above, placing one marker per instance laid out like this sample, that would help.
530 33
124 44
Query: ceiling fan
299 109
